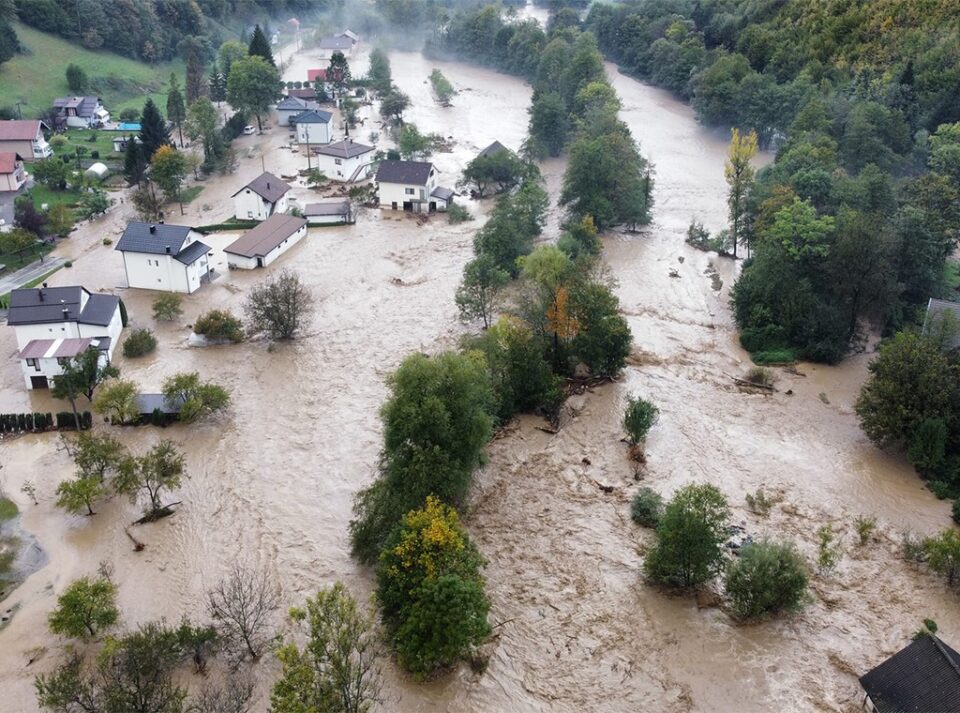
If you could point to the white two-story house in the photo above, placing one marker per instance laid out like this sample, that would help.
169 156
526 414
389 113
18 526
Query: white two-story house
345 161
159 256
313 127
411 186
81 112
55 324
24 137
262 197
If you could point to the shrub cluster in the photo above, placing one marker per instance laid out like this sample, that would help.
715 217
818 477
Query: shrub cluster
219 325
139 343
28 422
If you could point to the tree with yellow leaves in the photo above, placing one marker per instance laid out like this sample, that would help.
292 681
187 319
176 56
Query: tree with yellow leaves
739 174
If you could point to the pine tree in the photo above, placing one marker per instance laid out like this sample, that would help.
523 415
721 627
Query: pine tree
218 84
260 46
134 163
176 109
153 130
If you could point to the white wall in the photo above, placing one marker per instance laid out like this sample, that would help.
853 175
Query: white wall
252 206
398 193
26 333
345 169
326 219
162 272
49 368
113 330
250 263
313 133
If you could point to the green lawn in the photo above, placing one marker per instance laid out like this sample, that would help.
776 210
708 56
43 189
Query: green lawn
14 261
42 194
36 77
187 195
81 137
8 509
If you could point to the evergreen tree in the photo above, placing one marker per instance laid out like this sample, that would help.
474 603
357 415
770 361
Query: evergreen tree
176 109
339 73
260 46
192 51
134 162
218 83
153 130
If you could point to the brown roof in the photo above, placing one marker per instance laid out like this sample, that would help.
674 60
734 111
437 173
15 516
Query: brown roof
263 239
8 161
19 130
51 349
267 186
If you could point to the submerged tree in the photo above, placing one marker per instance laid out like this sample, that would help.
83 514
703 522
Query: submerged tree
85 608
161 469
280 306
243 606
739 174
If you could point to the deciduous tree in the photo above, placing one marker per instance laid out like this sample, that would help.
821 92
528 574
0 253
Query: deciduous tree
243 606
86 607
279 306
252 86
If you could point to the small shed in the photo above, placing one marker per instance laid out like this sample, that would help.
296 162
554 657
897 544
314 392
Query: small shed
924 676
154 408
335 211
942 323
262 245
443 197
98 170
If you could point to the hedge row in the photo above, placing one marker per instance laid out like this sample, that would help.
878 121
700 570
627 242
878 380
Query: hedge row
234 225
39 422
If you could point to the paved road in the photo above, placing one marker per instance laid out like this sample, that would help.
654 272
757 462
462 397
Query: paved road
28 273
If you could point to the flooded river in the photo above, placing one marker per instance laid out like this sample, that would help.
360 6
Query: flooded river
576 628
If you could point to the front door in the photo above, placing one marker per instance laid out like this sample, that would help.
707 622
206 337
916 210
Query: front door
39 382
259 262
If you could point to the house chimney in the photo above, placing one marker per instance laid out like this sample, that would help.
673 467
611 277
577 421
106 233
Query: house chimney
44 284
268 185
40 292
66 312
153 229
168 249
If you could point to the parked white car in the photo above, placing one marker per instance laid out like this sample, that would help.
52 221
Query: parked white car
249 130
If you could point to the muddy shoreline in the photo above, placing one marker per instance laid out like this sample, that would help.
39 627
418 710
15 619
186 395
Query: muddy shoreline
272 481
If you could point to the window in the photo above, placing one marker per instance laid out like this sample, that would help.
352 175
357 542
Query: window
408 191
338 162
34 363
63 361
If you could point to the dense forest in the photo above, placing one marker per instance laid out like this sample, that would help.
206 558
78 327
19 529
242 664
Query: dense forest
853 223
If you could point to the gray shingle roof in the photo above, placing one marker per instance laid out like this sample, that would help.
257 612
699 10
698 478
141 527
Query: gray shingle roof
332 207
100 309
146 403
84 105
292 104
336 43
494 148
267 186
152 238
42 305
314 116
343 149
193 252
920 678
415 173
263 239
443 193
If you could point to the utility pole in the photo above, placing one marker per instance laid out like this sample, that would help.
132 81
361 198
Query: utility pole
19 115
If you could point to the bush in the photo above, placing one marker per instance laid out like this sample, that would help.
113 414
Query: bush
638 419
759 503
768 577
458 214
95 154
690 537
646 507
760 375
943 554
775 356
219 325
865 527
68 263
139 343
828 553
167 307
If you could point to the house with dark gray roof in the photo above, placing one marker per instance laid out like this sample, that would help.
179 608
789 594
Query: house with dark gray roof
291 106
411 186
493 149
55 324
336 43
160 256
942 323
345 161
924 677
313 127
329 211
81 112
262 197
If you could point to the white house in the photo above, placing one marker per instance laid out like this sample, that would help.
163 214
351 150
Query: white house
24 137
313 127
411 185
262 245
81 112
170 258
351 35
262 197
43 360
345 161
333 211
291 106
12 173
336 43
54 323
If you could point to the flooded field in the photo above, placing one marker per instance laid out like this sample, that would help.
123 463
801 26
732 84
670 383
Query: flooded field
576 628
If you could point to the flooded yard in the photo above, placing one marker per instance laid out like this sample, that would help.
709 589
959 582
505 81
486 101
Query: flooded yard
576 628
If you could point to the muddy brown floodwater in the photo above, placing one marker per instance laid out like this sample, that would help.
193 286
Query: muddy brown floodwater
577 629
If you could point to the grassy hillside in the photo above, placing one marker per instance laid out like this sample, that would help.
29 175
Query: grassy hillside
36 77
